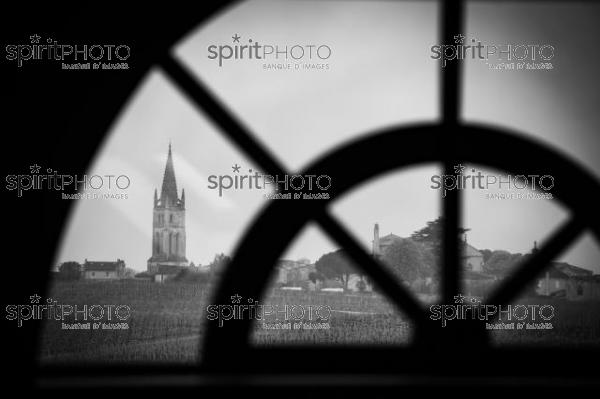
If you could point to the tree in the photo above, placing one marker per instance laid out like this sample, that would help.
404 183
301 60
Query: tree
219 263
502 262
188 274
430 238
407 260
336 265
70 270
432 235
486 254
129 273
315 276
497 261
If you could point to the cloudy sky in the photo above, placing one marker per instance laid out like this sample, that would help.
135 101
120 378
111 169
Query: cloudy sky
380 74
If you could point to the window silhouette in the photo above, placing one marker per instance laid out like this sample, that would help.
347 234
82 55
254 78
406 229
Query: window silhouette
408 149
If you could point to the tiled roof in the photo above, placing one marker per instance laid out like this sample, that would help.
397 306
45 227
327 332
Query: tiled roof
571 270
470 251
102 266
553 272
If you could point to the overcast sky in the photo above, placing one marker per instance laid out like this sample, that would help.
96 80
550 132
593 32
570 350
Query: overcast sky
380 74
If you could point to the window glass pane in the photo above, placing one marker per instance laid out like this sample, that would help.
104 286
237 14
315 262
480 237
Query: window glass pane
378 74
557 106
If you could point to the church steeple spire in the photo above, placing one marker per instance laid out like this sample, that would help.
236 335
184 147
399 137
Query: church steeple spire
169 185
168 224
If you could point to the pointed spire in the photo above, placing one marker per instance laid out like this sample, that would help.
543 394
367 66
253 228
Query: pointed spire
169 185
183 196
155 197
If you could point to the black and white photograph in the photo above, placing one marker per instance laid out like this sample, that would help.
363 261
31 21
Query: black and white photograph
337 198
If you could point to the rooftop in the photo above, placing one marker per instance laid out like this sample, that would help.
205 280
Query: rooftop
103 266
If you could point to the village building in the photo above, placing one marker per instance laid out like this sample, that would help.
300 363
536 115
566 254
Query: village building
358 283
292 272
471 259
564 280
93 270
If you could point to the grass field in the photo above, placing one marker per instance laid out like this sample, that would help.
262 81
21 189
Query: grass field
167 322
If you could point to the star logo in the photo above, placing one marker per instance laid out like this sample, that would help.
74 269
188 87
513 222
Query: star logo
35 298
236 298
460 298
35 168
236 38
459 39
35 38
459 168
236 168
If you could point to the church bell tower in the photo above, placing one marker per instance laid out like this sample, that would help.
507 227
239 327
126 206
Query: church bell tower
376 247
168 223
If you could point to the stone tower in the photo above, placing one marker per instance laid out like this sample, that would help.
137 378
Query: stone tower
168 223
376 248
